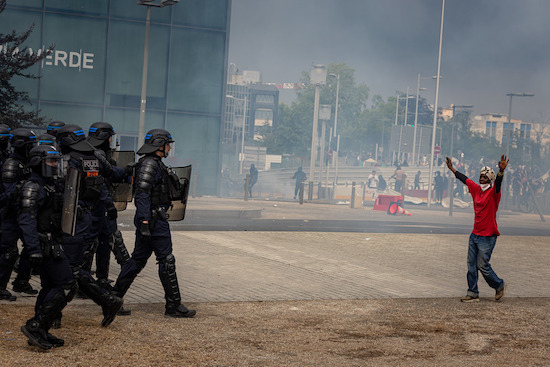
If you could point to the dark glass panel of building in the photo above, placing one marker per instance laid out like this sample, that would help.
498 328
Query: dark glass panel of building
75 70
124 9
197 143
126 121
201 13
195 82
83 116
126 42
87 7
33 4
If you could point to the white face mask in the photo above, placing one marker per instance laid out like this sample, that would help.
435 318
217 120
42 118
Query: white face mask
485 187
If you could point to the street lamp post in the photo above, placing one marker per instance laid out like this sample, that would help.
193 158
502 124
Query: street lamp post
318 77
335 156
242 135
418 89
148 4
434 130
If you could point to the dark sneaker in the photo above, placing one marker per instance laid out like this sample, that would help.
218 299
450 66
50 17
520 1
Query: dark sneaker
469 299
37 336
23 286
124 312
500 293
5 295
54 341
179 312
110 310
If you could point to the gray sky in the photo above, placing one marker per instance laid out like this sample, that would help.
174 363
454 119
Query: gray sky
490 47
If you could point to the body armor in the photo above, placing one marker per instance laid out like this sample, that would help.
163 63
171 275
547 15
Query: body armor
14 170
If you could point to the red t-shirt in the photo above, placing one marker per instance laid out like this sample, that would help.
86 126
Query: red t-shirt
485 209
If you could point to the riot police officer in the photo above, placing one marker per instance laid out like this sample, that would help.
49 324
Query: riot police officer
4 154
46 139
87 169
104 226
152 198
14 172
41 204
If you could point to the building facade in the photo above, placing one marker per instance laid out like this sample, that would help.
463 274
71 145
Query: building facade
95 71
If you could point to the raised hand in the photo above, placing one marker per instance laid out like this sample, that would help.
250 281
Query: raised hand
503 163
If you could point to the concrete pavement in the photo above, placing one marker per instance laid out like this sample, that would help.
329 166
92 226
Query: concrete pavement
260 266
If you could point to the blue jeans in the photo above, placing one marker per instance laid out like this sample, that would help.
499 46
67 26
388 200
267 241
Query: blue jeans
480 249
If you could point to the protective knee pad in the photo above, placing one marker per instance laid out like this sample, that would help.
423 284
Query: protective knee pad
119 248
169 279
70 290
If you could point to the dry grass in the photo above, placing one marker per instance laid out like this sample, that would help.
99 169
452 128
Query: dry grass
388 332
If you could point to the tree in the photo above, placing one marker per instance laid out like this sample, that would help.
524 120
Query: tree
293 132
14 60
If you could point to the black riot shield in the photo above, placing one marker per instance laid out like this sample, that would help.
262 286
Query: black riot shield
122 192
177 210
70 200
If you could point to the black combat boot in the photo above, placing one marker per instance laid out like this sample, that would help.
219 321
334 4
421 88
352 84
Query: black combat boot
111 305
5 295
37 336
23 286
178 311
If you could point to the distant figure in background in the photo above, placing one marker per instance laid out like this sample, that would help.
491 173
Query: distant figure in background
253 178
299 176
417 181
381 183
372 180
398 175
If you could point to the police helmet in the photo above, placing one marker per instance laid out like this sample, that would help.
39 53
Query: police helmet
4 135
54 126
73 136
46 139
21 137
99 133
155 139
47 160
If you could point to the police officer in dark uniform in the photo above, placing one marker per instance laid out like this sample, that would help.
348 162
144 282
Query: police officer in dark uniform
92 167
14 173
46 139
4 154
41 205
152 198
104 216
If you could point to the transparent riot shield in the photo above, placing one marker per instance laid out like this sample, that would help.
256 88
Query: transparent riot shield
70 200
122 192
177 210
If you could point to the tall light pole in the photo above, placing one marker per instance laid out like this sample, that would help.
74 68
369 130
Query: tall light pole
434 130
245 106
335 156
148 4
418 89
509 137
318 77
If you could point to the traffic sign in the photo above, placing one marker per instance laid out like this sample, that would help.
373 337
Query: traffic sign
437 149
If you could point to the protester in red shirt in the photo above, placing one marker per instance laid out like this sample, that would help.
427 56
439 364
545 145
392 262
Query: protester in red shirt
486 197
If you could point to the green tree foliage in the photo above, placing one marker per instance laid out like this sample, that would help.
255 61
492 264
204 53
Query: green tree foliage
14 60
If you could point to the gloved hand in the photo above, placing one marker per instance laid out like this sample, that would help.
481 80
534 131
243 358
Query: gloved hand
129 170
112 213
35 259
144 230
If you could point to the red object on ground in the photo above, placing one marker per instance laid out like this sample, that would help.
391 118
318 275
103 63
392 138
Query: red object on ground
383 202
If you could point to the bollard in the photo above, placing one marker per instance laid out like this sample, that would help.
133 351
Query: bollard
247 180
352 199
310 191
302 193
